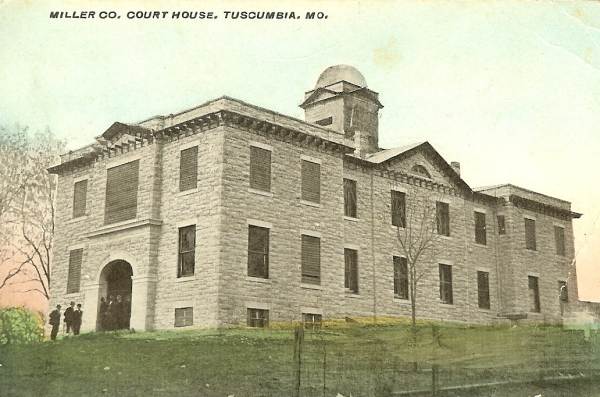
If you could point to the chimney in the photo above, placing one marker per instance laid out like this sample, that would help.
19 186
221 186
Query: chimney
456 166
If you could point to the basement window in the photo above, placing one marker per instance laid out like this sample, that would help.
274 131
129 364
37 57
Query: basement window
312 320
184 316
258 318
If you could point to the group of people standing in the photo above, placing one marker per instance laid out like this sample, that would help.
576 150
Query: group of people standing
114 313
72 320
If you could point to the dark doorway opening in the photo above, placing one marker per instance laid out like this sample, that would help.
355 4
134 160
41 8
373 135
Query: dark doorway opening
115 296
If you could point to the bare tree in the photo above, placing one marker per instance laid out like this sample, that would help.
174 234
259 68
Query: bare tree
27 207
418 231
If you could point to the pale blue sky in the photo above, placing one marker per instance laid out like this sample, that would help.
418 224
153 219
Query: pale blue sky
509 89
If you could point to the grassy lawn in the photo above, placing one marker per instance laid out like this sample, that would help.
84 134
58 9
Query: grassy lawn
358 360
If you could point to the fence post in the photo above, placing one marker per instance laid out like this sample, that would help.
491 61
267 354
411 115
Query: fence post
434 379
435 337
298 340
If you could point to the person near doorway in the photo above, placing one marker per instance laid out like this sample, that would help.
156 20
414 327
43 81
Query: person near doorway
69 317
54 322
110 313
119 313
103 314
77 314
127 314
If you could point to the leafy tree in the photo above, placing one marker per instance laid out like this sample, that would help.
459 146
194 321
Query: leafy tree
19 325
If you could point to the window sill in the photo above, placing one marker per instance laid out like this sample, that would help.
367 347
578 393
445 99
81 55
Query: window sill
351 294
183 279
484 310
448 305
258 280
350 218
78 219
186 192
481 245
310 203
397 227
311 286
531 251
444 237
401 300
260 192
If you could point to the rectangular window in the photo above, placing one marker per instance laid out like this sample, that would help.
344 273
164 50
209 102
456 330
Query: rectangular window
121 192
480 228
74 276
446 284
350 198
530 234
442 211
260 169
483 289
311 320
187 251
311 259
351 270
398 209
184 316
79 198
400 277
563 293
258 251
258 318
501 224
188 169
534 294
559 239
311 181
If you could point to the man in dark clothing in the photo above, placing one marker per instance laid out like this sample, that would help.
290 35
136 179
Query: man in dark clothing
103 314
119 313
54 322
77 313
110 313
69 316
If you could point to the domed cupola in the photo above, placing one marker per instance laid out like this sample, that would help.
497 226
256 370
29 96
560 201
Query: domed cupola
341 101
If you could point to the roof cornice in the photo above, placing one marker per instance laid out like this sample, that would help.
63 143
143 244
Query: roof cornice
144 137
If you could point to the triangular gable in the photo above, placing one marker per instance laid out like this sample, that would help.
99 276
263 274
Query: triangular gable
117 130
321 94
318 95
405 158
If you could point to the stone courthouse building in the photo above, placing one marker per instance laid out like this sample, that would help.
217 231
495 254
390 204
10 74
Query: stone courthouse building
231 214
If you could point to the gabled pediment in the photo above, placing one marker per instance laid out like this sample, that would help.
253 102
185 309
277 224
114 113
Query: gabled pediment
421 160
318 95
118 132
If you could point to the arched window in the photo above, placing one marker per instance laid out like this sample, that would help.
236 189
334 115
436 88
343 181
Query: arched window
420 170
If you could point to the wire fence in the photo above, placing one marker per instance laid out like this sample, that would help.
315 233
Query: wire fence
365 361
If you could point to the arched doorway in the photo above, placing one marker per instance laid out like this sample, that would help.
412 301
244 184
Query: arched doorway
115 296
